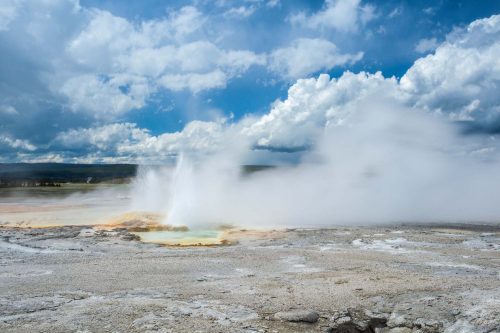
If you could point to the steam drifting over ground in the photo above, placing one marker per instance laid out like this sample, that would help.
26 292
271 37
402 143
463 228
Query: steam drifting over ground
383 163
365 148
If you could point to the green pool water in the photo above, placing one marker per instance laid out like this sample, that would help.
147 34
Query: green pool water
191 237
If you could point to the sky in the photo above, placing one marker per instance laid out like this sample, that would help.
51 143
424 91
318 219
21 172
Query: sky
141 82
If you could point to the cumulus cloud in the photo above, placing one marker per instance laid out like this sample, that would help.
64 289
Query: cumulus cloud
106 97
306 56
150 55
100 66
426 44
272 3
186 21
341 15
241 9
8 110
104 65
104 138
195 82
8 11
7 143
313 104
462 77
461 80
127 142
239 12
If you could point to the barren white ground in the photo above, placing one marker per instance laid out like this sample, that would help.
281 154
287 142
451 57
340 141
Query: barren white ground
384 279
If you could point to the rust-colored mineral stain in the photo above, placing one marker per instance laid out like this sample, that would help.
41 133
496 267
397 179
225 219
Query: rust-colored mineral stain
237 234
222 242
131 220
140 222
148 226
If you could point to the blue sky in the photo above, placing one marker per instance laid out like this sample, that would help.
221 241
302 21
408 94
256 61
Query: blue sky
104 81
388 42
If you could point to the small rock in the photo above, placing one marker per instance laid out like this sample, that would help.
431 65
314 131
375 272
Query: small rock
394 330
87 232
341 281
298 316
130 237
396 320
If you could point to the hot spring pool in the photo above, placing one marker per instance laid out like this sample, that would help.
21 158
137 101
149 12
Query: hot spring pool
183 238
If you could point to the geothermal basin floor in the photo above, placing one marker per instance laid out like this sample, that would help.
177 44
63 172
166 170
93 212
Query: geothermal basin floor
377 279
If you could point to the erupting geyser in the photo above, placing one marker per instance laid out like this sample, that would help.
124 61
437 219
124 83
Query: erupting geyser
383 163
183 193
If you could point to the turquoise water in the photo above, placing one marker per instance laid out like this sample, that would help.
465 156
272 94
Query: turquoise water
191 237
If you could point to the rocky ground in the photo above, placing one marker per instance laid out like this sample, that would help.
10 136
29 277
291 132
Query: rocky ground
385 279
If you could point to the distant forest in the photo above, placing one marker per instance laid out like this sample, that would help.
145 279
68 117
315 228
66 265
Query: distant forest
54 174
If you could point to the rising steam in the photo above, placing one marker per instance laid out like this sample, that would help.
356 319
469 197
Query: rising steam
385 163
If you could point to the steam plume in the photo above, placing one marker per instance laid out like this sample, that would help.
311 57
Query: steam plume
385 163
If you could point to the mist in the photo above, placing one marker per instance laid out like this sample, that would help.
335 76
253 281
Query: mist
383 163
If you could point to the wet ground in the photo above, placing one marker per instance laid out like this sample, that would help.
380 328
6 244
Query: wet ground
70 204
383 279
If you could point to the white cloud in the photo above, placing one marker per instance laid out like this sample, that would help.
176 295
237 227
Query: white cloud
426 44
194 82
199 136
111 65
202 56
150 52
461 80
239 12
8 110
395 12
106 36
306 56
104 65
104 138
273 3
462 77
7 143
127 143
313 104
367 14
8 11
186 21
341 15
237 62
106 97
47 158
150 62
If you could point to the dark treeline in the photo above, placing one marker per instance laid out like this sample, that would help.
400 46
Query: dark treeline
53 174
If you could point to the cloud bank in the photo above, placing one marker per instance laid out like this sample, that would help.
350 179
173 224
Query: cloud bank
460 81
75 96
65 67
